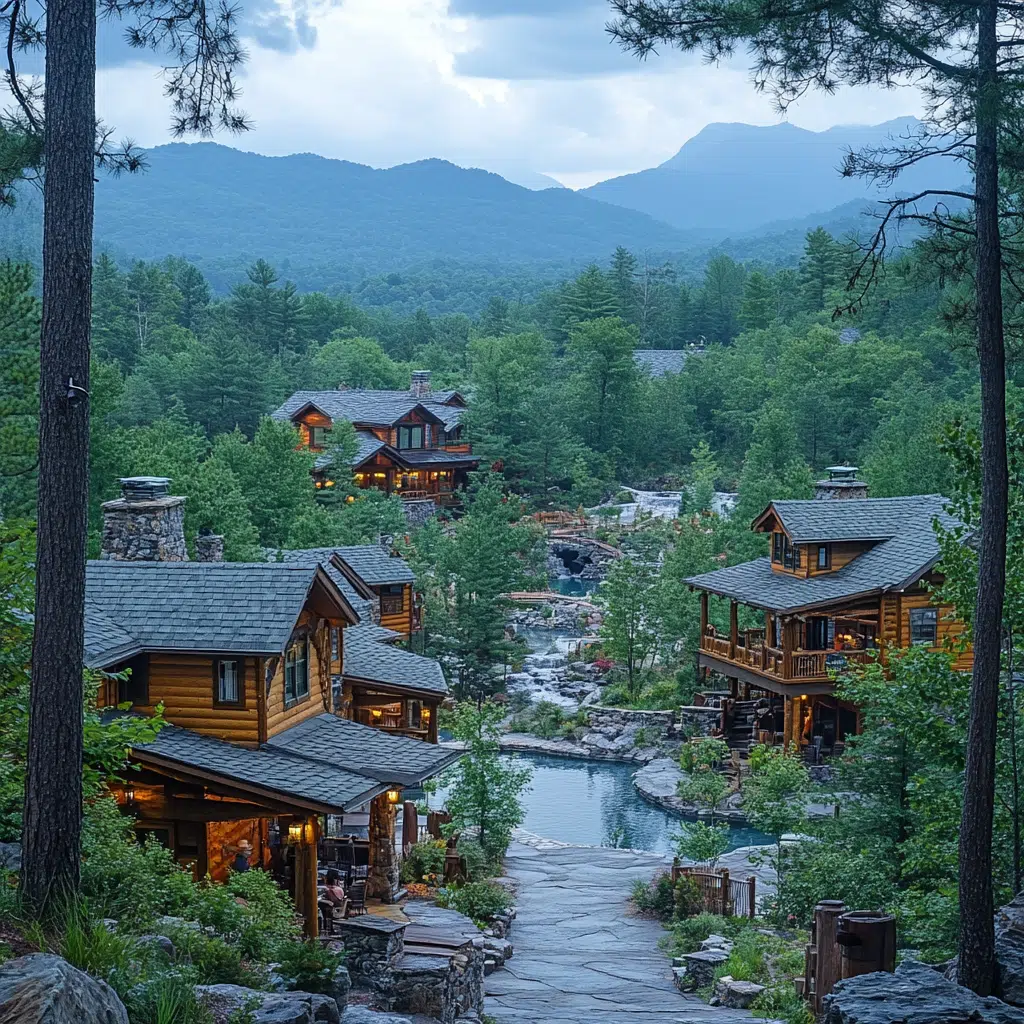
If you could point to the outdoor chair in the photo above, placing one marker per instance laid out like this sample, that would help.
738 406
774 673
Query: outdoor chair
356 898
330 914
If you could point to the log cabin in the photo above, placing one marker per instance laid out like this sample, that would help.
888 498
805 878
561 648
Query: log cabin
847 579
245 660
410 442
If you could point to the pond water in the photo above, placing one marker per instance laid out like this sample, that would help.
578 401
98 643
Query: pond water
573 586
594 803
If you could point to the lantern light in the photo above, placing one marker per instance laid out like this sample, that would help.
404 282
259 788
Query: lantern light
295 831
394 796
129 794
425 714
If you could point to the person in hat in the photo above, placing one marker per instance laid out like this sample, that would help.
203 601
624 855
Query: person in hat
243 851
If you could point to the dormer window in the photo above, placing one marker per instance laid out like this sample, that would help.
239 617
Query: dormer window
317 437
784 553
778 545
410 437
824 556
392 599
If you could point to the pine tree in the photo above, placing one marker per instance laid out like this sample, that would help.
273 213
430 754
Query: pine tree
113 333
496 319
821 269
623 281
194 292
759 303
589 297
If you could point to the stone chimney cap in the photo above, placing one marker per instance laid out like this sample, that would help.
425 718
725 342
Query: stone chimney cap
145 488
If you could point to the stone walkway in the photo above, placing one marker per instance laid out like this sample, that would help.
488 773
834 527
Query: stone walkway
581 956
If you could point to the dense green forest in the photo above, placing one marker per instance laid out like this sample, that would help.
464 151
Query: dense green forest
183 380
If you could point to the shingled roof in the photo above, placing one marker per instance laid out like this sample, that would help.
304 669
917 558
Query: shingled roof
905 549
326 763
375 753
360 600
660 361
378 408
369 660
374 565
241 607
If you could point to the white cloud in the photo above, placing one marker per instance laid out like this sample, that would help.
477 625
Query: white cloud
382 85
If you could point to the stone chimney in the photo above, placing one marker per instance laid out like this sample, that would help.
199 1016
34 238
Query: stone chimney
420 384
842 483
146 524
209 547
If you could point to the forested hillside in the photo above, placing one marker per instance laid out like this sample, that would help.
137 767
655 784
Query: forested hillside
182 381
426 235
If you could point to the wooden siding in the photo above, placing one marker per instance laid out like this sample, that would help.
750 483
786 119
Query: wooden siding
183 683
400 622
843 552
223 836
281 717
308 419
895 624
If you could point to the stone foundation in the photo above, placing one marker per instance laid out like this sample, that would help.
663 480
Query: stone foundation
373 944
419 510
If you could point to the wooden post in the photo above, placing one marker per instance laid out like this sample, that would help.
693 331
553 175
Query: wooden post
827 952
306 878
703 616
410 826
734 628
752 896
725 893
787 649
787 719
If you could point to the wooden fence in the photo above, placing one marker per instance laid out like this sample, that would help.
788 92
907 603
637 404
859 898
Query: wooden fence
721 894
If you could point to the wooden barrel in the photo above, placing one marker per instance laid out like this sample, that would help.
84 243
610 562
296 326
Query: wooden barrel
868 942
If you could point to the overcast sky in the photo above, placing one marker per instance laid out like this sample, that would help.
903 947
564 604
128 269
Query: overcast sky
510 85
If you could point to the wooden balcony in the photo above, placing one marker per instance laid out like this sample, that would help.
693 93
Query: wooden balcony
756 658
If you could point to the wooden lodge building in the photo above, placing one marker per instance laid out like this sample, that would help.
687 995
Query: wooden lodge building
410 442
295 720
846 580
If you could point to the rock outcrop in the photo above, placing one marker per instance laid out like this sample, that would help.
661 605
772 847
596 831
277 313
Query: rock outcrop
273 1007
1010 950
915 994
45 989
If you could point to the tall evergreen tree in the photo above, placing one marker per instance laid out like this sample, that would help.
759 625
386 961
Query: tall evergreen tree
821 269
496 319
623 280
589 297
967 56
759 304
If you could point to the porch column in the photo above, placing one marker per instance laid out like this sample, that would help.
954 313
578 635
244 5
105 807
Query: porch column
787 720
788 643
703 617
383 877
734 628
796 722
306 878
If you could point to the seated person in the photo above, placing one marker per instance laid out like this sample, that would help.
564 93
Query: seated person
334 892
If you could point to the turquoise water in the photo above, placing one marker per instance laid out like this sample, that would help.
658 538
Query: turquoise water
573 587
596 804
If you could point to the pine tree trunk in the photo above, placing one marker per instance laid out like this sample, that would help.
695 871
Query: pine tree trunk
977 938
53 791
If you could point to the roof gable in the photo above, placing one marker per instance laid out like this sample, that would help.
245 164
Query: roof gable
236 607
364 406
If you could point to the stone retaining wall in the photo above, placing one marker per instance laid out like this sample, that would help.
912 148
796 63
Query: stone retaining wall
701 720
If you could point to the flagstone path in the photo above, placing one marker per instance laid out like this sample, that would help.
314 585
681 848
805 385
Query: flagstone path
581 955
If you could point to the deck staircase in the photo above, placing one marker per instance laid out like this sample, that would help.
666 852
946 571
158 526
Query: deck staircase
740 735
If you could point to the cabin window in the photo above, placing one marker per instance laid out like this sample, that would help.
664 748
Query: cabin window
778 543
824 556
392 599
335 643
924 626
415 714
317 437
442 437
134 689
296 671
228 683
790 554
410 437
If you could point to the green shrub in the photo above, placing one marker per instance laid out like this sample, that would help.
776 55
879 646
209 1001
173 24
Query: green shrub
307 966
167 998
478 867
689 933
687 899
91 947
214 961
425 859
481 901
655 897
747 959
781 1003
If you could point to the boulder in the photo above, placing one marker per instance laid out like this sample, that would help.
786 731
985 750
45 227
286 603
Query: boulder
160 942
737 995
363 1015
1010 950
45 989
915 994
717 942
10 856
697 970
274 1007
340 986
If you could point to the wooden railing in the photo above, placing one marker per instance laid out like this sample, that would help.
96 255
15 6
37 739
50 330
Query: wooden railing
803 665
720 894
